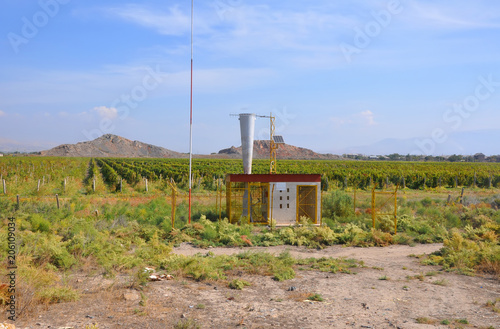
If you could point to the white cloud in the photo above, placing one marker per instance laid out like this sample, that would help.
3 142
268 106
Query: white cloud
365 118
2 113
466 15
173 22
106 112
369 117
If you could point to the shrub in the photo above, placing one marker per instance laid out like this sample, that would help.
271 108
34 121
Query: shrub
316 298
337 204
187 324
238 284
46 249
426 202
282 268
39 223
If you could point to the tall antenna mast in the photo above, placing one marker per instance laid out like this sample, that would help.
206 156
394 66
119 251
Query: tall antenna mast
191 115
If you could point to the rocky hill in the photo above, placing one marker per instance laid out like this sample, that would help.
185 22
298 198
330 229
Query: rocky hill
119 147
111 146
285 151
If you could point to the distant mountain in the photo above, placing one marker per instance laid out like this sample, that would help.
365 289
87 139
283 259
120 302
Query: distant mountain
116 146
111 146
9 146
285 151
465 143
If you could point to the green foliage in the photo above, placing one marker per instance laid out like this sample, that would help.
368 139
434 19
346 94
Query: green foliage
337 204
187 324
238 284
22 173
424 320
46 248
316 298
39 223
331 265
199 268
58 295
467 256
120 236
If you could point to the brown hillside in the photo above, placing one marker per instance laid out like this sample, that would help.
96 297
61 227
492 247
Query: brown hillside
119 147
111 146
285 151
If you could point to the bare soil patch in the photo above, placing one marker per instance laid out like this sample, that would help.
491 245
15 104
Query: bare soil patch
392 290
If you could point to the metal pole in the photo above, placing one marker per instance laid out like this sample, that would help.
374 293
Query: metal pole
191 115
272 207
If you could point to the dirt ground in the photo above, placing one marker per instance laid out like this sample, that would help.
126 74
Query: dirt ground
361 300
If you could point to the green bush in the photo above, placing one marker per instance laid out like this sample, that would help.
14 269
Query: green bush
39 223
238 284
46 248
337 204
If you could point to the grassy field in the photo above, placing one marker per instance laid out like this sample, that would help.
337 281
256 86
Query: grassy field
98 229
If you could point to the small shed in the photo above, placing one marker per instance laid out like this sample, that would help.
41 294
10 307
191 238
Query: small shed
286 198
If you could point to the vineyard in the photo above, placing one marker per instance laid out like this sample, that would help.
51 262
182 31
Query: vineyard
70 176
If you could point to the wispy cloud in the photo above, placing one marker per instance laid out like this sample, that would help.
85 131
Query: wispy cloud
462 15
368 117
106 112
172 21
364 118
2 113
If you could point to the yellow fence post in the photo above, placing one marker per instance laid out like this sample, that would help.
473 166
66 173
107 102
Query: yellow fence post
272 207
395 213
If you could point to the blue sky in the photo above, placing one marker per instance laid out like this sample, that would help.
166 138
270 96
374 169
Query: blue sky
337 74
